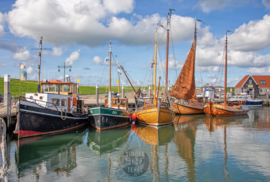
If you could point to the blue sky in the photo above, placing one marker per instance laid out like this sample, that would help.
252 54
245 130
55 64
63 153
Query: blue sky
79 31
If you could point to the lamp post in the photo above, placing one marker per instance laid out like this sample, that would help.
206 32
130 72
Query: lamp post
65 66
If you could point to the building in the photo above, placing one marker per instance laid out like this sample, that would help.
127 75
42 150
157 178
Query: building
259 84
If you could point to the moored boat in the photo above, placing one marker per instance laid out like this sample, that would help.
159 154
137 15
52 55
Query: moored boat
47 114
217 109
115 112
184 90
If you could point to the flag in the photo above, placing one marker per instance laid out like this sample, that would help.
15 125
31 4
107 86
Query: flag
78 80
160 25
22 66
23 75
118 69
117 62
117 81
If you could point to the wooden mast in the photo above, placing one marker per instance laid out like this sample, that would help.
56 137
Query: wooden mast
167 57
118 83
155 66
109 97
129 80
153 62
225 79
195 41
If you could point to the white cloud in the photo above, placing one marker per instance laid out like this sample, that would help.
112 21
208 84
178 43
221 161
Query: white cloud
23 55
253 36
211 5
172 64
60 78
74 56
57 51
211 76
256 70
266 3
97 60
144 66
91 22
2 32
30 70
3 65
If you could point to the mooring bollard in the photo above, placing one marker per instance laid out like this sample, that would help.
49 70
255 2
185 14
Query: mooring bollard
203 94
7 98
97 95
267 96
123 91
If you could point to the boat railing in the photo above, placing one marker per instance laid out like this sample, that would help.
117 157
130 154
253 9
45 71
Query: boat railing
35 101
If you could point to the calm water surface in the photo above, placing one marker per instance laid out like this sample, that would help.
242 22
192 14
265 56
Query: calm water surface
195 148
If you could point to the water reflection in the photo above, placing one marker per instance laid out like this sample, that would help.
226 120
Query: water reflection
184 140
48 153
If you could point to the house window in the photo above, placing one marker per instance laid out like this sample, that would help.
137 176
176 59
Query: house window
261 90
262 82
250 81
56 102
63 102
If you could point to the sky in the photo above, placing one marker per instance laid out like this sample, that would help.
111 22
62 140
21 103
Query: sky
78 33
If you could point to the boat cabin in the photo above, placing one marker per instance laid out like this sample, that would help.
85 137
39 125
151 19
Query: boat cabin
123 103
51 101
59 87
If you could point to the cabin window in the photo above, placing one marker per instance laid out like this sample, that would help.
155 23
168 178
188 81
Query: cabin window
72 88
52 87
66 88
45 88
250 81
123 102
245 97
56 102
63 102
58 88
115 102
262 82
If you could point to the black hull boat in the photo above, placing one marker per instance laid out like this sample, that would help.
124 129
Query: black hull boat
35 120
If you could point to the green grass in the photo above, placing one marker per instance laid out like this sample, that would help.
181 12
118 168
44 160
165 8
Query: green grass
31 86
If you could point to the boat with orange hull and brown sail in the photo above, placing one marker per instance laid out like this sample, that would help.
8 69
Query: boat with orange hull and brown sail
153 112
222 109
184 90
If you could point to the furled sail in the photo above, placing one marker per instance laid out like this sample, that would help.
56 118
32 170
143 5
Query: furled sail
184 87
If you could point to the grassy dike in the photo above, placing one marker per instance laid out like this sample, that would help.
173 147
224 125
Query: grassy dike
31 86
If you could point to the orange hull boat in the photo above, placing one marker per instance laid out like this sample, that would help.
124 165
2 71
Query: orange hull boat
213 109
191 108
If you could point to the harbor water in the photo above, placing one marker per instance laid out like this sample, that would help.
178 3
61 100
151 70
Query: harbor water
193 148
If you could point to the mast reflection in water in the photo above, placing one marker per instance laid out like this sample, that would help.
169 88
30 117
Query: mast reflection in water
193 148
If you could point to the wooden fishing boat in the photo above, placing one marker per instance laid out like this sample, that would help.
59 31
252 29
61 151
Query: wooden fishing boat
184 90
219 109
153 113
115 112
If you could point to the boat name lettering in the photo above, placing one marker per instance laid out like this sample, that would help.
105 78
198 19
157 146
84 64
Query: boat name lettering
114 112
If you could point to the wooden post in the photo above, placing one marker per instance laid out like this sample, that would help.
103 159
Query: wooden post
7 97
150 91
203 94
97 95
123 91
267 96
219 95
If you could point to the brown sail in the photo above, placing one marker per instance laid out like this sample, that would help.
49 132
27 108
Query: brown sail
184 87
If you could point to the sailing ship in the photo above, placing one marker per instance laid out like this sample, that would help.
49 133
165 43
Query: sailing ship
184 90
219 109
153 112
48 113
115 112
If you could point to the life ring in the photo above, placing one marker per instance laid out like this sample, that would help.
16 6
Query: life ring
74 101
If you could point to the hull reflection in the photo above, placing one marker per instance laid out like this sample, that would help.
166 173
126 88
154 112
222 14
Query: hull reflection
49 153
107 140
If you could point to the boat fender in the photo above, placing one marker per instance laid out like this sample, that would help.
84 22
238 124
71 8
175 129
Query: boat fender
102 119
133 116
106 120
74 101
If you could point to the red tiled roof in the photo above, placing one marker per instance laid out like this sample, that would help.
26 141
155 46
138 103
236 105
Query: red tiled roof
257 79
239 85
266 78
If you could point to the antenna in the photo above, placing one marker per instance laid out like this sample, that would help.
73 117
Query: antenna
40 52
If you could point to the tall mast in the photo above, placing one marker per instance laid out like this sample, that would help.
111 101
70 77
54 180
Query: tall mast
39 65
155 66
167 50
153 62
225 79
195 39
118 83
109 96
